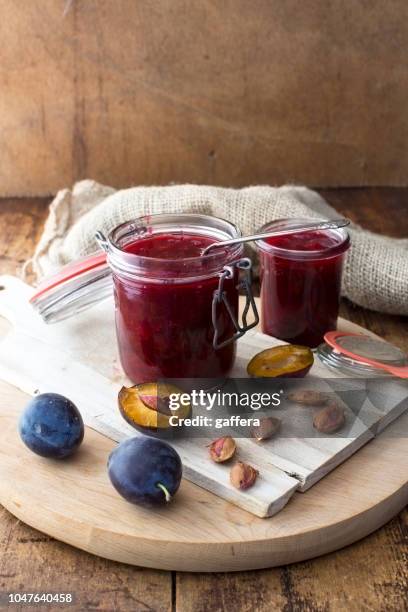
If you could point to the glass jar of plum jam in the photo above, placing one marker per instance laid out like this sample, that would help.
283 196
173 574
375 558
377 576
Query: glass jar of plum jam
300 283
176 310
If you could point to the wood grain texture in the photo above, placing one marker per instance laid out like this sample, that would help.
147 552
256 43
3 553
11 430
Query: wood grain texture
219 93
21 223
33 562
369 575
78 357
75 502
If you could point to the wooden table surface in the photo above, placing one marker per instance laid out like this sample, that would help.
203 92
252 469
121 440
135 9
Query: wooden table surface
369 575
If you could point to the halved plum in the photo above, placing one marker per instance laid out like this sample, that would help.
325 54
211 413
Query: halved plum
148 407
286 360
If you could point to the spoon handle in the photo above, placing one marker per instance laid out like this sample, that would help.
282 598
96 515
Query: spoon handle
295 229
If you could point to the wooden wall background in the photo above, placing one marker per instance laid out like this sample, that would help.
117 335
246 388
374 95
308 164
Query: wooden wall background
228 92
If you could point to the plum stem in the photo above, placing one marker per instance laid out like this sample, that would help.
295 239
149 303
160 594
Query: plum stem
165 491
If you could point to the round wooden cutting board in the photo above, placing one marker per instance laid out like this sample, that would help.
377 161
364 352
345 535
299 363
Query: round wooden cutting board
74 501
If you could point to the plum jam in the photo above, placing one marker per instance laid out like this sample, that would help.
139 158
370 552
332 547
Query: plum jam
164 291
300 283
169 246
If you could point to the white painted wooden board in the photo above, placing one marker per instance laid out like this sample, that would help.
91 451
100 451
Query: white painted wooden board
309 459
78 358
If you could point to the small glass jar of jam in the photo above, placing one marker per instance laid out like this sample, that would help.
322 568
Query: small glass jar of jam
176 310
301 282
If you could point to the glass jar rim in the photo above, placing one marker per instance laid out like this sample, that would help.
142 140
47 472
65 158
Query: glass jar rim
182 269
332 251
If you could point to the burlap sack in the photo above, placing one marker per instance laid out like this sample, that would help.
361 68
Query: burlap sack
376 270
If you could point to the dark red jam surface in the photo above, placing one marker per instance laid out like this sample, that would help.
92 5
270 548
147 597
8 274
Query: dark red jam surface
170 246
300 297
308 241
164 328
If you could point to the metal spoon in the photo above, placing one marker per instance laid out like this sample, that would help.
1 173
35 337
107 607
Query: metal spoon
295 229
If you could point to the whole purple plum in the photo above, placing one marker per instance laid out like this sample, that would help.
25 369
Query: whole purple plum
51 426
145 470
